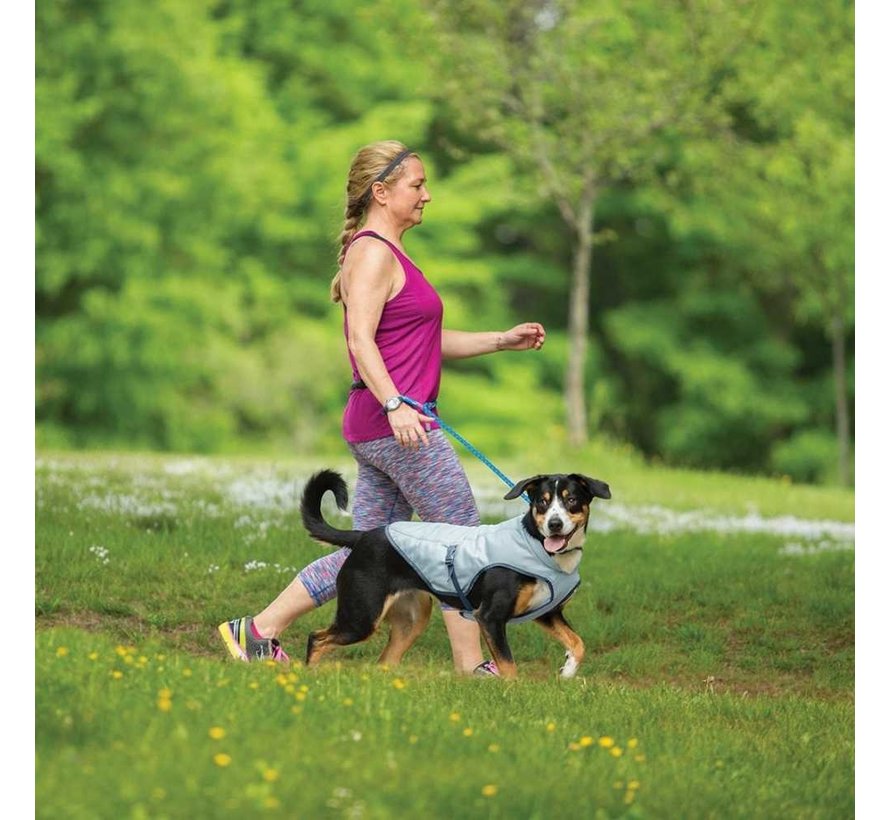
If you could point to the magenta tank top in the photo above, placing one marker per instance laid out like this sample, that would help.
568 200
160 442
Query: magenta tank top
409 337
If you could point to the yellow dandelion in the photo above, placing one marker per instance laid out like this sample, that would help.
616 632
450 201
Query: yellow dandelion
587 740
270 775
143 660
160 657
347 701
281 679
291 676
304 688
640 758
300 695
217 732
574 747
93 656
62 651
165 694
253 685
489 790
271 802
606 742
222 759
412 739
468 732
187 673
632 743
296 709
494 747
616 751
633 785
270 663
629 797
454 717
551 727
398 683
117 674
165 704
128 659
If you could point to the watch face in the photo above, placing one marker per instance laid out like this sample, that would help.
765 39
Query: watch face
392 404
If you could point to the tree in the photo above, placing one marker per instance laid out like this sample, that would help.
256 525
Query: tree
584 95
156 161
781 180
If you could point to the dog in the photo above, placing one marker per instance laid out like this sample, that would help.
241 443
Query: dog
522 569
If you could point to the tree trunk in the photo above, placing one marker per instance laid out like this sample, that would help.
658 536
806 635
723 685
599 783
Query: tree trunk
579 320
841 411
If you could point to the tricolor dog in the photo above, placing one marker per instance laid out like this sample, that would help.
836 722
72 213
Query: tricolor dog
525 568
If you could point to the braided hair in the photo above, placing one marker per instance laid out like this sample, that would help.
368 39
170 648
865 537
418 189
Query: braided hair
377 162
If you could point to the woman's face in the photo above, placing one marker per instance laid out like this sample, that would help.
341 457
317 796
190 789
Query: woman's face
408 195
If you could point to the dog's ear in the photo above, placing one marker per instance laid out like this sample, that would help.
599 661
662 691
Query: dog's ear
519 487
597 488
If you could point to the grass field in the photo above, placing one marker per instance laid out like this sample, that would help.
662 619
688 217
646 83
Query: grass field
718 614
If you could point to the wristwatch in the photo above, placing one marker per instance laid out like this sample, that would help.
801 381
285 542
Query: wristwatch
392 404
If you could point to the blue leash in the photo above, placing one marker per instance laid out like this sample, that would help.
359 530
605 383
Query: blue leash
429 409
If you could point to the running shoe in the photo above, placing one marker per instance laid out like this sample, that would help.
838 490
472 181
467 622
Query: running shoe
487 668
243 645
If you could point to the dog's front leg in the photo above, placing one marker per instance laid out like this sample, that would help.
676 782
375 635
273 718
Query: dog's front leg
555 624
494 630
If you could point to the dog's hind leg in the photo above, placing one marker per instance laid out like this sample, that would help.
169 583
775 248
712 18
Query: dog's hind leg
357 618
408 616
323 641
555 624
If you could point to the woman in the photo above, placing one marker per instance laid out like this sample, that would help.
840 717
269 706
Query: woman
396 344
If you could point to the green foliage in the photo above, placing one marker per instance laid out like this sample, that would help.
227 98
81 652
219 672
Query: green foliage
719 386
190 166
809 456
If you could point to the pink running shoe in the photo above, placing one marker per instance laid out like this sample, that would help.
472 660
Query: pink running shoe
243 645
487 668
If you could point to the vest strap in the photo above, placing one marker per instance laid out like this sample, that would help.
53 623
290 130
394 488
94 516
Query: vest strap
452 574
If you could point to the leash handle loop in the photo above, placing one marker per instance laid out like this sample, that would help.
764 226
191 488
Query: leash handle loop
429 409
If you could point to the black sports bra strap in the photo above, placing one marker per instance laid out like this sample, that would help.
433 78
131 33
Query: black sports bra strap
360 234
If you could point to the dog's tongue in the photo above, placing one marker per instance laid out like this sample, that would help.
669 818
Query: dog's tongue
554 543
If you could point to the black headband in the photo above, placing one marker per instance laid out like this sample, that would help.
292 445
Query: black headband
394 163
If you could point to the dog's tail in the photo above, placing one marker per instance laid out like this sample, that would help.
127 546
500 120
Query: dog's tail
310 509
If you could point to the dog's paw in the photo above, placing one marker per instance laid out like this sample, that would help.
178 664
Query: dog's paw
570 667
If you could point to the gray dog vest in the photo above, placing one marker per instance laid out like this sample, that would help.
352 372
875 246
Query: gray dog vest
450 558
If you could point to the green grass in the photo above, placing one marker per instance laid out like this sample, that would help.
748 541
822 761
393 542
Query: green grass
720 665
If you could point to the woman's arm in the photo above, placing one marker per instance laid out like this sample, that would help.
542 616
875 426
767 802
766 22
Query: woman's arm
458 344
365 295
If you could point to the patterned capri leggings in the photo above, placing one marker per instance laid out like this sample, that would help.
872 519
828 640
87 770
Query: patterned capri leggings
394 482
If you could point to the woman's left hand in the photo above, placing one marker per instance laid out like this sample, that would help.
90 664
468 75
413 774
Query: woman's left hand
527 336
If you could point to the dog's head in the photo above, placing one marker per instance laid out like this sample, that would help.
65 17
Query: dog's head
560 507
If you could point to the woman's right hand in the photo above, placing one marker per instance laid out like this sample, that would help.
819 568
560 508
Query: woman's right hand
408 426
